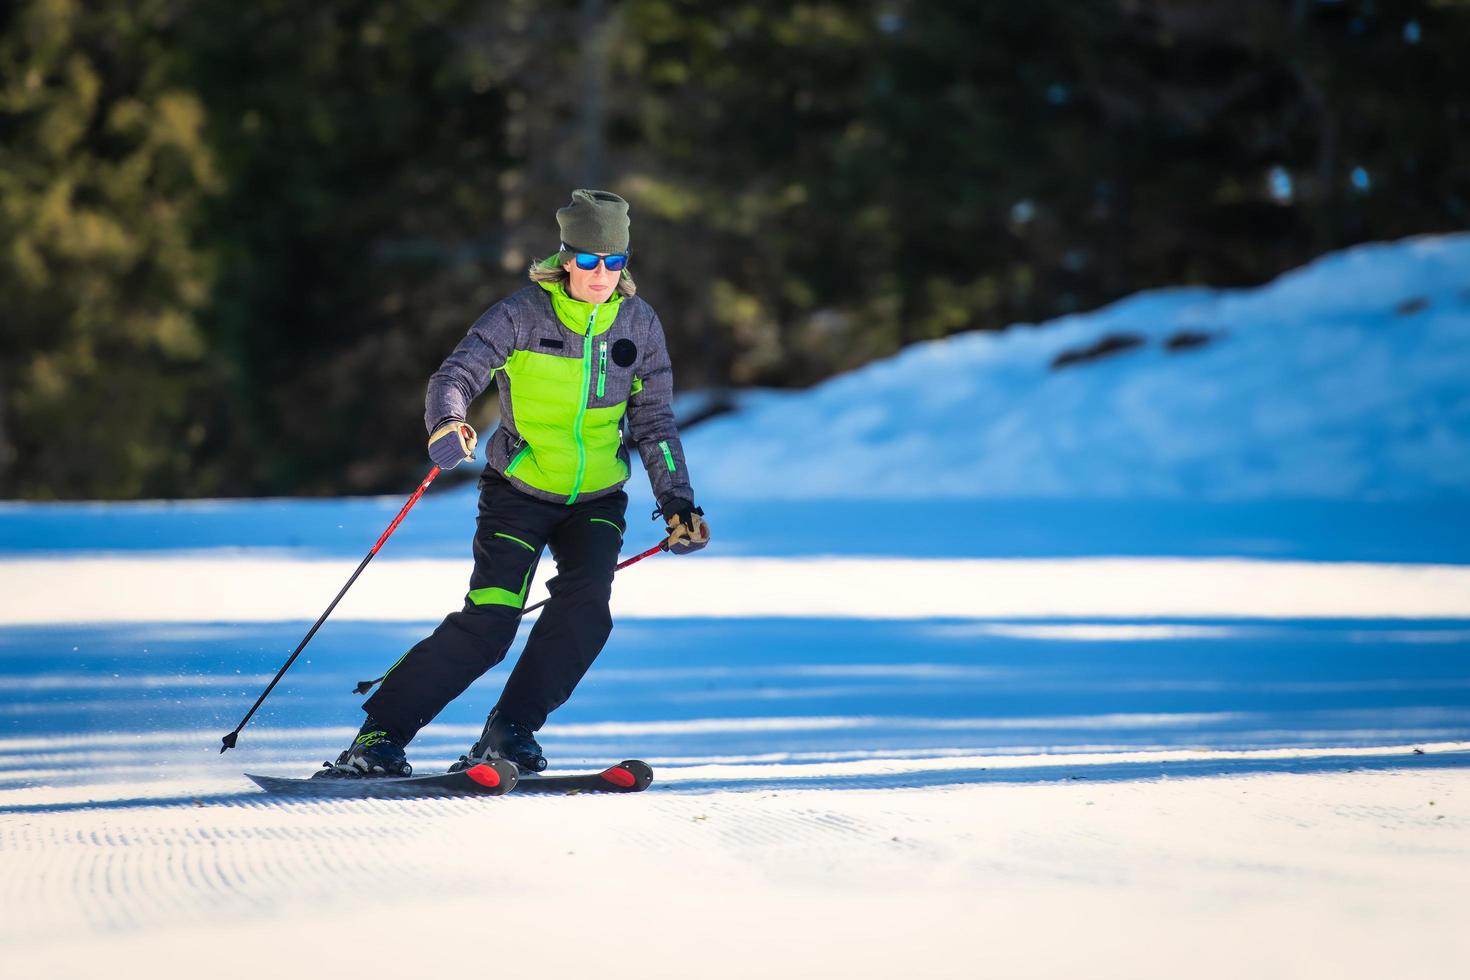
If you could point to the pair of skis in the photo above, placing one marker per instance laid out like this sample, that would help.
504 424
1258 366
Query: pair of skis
493 777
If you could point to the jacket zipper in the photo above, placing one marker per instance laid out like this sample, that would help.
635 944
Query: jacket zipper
601 367
582 407
515 461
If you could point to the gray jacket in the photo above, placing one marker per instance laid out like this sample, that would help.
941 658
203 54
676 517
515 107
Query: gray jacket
571 401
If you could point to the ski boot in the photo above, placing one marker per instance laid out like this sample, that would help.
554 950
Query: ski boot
504 739
373 753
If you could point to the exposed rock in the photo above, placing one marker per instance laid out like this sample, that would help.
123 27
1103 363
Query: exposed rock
1191 339
1107 346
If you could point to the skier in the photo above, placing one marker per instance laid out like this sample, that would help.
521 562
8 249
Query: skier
577 354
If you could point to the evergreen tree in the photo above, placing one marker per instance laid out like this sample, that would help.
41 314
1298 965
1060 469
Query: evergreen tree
103 168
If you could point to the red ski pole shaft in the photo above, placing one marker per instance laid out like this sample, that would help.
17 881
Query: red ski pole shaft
661 546
230 739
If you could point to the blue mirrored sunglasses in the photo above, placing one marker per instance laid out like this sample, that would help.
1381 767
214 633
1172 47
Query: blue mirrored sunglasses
587 261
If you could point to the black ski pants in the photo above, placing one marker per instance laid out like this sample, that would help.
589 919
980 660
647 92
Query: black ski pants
511 531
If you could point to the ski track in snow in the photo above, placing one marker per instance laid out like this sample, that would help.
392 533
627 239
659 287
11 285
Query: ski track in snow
1026 880
1136 789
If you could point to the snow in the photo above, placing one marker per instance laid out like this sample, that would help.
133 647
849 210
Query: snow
1192 701
1275 876
243 589
1341 380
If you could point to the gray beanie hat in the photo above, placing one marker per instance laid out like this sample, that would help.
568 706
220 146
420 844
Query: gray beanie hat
596 221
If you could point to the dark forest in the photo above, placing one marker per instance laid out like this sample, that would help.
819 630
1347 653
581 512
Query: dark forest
238 237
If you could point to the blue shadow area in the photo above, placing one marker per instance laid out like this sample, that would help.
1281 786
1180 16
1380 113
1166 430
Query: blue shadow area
441 524
694 691
1418 531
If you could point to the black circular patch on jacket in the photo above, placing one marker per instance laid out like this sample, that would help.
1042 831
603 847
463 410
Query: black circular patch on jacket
625 352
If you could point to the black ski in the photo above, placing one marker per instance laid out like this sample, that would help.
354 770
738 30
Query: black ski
494 777
629 776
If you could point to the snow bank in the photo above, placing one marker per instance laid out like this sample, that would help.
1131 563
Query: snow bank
1346 379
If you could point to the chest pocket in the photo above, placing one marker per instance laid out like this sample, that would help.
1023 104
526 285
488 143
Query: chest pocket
612 370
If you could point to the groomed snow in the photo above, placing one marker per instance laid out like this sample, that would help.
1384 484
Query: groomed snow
1166 723
1278 877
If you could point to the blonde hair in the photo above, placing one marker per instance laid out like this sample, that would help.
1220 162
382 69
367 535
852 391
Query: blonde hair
550 270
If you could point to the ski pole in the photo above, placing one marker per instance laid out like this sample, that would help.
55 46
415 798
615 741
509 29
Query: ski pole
661 546
365 686
229 740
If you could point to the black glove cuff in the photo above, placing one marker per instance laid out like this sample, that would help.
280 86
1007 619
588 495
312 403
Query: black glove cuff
677 507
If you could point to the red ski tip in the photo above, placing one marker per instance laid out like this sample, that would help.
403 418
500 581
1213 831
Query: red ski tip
484 775
619 776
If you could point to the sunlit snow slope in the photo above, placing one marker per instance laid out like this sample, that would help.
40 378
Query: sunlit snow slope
1342 380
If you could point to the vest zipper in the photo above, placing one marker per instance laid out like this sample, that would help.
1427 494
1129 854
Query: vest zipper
582 408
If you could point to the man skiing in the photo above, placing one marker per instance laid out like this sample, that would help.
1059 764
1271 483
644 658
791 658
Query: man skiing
584 373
